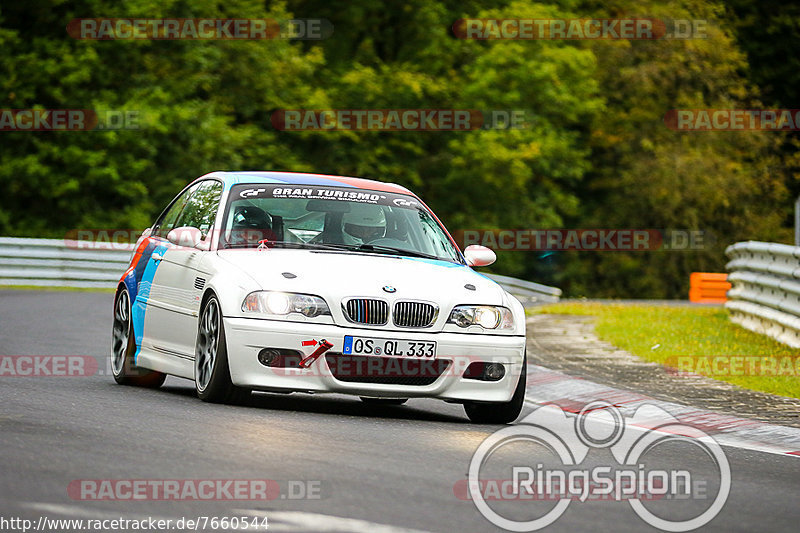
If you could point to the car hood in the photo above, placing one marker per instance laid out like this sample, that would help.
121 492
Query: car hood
336 276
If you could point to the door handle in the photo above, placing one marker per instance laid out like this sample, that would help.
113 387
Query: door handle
157 257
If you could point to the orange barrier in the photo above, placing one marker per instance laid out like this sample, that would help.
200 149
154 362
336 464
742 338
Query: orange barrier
708 287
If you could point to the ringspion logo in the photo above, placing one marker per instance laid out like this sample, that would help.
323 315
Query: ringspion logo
671 499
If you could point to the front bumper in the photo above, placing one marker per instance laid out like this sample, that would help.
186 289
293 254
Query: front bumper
247 336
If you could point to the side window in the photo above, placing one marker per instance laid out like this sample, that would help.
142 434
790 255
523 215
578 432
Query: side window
201 209
168 219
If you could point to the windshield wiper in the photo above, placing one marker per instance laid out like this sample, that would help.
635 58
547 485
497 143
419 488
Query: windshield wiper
302 245
285 244
365 248
391 250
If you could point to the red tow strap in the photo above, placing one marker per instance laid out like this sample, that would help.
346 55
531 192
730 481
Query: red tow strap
323 347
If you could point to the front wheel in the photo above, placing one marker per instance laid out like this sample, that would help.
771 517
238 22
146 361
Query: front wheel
212 376
123 348
500 413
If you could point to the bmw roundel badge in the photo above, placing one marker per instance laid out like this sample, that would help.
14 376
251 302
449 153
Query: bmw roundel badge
389 289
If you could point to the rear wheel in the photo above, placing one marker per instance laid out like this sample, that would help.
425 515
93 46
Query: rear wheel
212 376
123 348
384 401
500 413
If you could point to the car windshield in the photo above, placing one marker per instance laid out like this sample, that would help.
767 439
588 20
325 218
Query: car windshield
336 218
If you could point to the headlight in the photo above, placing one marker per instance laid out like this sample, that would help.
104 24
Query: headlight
284 303
486 316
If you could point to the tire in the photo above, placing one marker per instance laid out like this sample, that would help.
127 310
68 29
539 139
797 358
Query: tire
123 348
212 376
383 401
500 413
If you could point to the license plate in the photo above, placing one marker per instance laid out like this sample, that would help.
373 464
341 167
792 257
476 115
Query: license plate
388 347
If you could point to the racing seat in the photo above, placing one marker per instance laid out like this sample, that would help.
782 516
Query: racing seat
397 228
332 232
252 224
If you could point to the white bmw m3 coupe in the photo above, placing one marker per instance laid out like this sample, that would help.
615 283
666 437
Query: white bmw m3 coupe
289 282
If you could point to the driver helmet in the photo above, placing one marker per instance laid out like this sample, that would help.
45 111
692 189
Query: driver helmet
365 222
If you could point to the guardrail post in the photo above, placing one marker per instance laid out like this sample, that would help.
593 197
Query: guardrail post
797 222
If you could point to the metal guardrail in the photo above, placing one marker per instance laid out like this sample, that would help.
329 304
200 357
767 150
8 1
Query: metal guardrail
527 292
64 263
765 293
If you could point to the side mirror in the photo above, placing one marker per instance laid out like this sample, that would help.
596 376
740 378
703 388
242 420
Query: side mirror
185 236
478 256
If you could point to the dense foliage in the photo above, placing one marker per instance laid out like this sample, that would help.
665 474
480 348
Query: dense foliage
595 153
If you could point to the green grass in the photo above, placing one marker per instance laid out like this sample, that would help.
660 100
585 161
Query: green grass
658 332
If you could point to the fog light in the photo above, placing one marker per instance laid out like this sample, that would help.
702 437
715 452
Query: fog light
268 356
485 371
494 371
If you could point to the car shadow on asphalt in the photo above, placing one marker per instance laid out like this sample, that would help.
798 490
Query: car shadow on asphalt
336 405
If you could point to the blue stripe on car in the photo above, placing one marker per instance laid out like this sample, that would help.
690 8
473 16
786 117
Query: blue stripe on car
144 273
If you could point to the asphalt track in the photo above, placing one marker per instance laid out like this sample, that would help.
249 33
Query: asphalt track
377 469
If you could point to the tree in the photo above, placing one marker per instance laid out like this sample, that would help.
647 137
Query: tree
645 175
201 106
